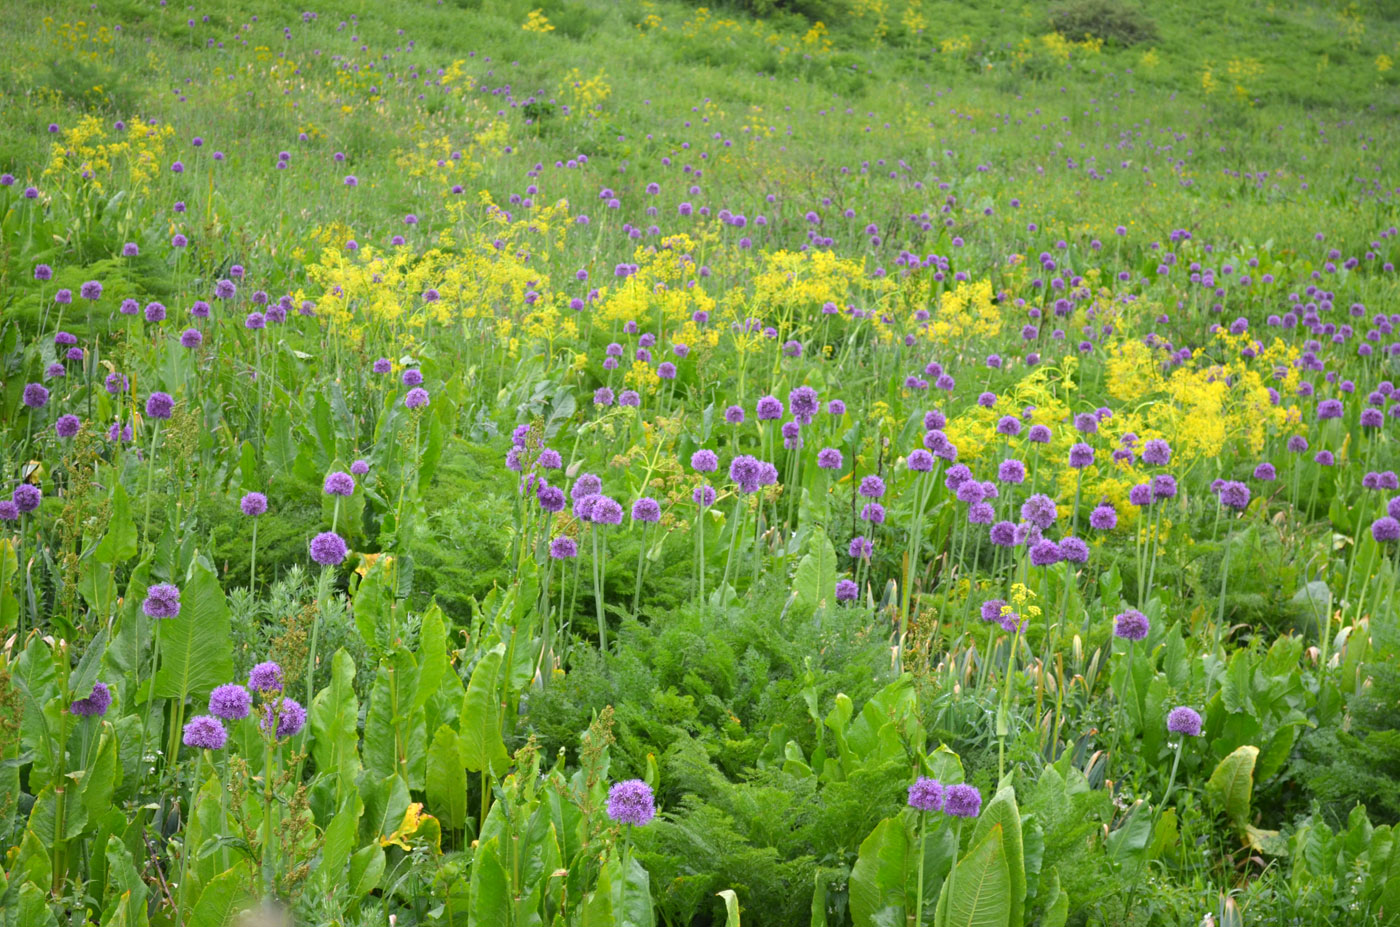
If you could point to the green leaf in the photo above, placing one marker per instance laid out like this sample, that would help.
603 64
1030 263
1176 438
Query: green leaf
878 880
33 908
1056 903
85 674
815 580
335 721
731 907
1002 810
489 894
432 655
1232 784
220 900
447 779
977 891
195 652
119 543
366 869
480 725
102 777
338 840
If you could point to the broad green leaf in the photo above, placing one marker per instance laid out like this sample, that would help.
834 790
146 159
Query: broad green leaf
119 543
221 899
1232 784
447 779
977 891
195 652
33 908
366 869
480 725
879 878
489 896
815 579
1002 810
102 777
432 655
85 674
335 721
338 840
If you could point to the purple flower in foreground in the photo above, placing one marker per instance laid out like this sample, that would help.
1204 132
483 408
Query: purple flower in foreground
328 548
646 509
846 590
159 405
416 398
288 714
829 458
563 548
265 677
162 601
96 704
962 801
1103 518
1183 720
339 483
204 732
1131 625
253 504
67 426
926 794
230 701
631 802
1385 530
26 497
1039 510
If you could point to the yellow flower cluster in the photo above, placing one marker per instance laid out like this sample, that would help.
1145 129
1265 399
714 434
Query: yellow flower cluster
90 151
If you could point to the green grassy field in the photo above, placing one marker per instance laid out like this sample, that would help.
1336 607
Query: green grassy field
825 462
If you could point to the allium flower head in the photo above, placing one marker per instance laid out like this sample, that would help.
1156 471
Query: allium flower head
631 802
159 405
67 426
1081 455
96 704
872 487
920 460
1074 550
926 794
26 497
991 610
846 590
1131 625
1183 720
162 601
563 548
962 801
230 701
35 395
253 504
1234 494
1045 553
829 458
769 408
1039 510
704 461
287 713
416 398
1385 530
339 483
328 548
205 732
1157 452
646 509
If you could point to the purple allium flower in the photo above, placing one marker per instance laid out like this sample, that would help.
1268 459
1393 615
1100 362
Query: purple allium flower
1009 425
416 398
1045 553
829 458
606 510
26 497
1011 622
253 504
1039 434
1141 494
804 404
926 794
200 309
191 338
629 397
631 802
67 426
704 461
382 365
328 548
339 483
1163 486
36 395
265 677
603 396
155 312
646 509
745 471
96 704
1329 408
991 610
230 701
962 801
563 548
1081 455
971 491
115 383
703 496
255 321
769 408
1074 550
90 290
1324 458
1003 534
1265 472
205 732
43 272
873 512
1183 720
587 484
1372 418
920 461
1131 625
734 415
1297 444
1385 530
846 590
872 487
1157 452
359 467
159 405
288 714
412 377
8 510
551 498
860 547
1039 510
162 601
1234 494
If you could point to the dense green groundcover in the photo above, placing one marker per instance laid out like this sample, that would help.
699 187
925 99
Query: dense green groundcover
883 463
